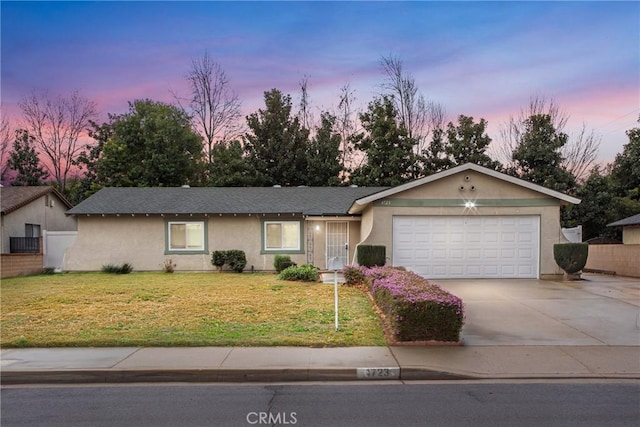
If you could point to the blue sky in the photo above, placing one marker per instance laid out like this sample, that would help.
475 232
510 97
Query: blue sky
484 59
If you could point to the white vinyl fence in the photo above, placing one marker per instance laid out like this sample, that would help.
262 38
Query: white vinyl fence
55 245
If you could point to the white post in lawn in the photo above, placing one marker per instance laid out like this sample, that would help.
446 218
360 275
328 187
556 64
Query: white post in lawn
332 265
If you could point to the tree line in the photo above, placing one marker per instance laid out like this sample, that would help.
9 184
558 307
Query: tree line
203 140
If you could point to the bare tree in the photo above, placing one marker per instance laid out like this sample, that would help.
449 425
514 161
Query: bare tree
347 126
56 124
580 152
304 114
6 138
215 107
419 116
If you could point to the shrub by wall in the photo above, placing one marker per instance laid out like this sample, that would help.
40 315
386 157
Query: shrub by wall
125 268
372 255
236 259
218 259
354 275
416 309
303 273
280 262
571 257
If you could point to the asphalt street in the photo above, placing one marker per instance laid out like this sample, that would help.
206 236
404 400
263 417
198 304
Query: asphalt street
479 403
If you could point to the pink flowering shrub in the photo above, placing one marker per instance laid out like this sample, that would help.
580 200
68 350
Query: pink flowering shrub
417 309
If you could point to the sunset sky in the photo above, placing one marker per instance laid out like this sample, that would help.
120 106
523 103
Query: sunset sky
483 59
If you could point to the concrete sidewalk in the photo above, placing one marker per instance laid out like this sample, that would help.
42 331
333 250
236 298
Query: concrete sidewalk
284 364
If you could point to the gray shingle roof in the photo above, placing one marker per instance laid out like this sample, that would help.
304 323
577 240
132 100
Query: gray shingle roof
632 220
223 200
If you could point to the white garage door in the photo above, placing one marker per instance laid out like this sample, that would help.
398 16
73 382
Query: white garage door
467 246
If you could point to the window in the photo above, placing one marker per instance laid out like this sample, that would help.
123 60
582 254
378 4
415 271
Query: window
282 236
186 236
32 230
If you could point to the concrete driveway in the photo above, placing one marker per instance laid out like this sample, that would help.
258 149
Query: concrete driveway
599 310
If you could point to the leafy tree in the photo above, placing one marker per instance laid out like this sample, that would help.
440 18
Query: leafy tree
537 157
276 146
626 167
56 125
388 148
228 166
467 142
151 145
596 209
323 154
25 161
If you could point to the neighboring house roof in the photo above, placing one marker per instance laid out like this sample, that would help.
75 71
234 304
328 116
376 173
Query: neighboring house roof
632 220
223 200
13 198
360 204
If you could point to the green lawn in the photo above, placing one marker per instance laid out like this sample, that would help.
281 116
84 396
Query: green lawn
181 309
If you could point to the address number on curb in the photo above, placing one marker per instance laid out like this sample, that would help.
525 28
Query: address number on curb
379 373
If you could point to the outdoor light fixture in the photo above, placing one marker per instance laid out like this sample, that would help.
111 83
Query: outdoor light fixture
469 205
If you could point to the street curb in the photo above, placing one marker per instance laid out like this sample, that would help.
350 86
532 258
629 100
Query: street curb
79 376
112 376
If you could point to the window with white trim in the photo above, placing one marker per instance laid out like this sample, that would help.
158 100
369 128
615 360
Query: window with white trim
186 236
282 236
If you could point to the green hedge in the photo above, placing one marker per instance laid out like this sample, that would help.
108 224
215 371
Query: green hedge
303 273
125 268
280 262
372 255
571 257
234 258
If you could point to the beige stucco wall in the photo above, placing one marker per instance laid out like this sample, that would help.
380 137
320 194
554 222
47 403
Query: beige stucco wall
140 241
37 212
631 235
447 190
621 259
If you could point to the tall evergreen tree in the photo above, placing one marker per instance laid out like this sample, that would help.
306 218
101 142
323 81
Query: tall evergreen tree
388 149
25 161
323 154
467 142
228 167
276 145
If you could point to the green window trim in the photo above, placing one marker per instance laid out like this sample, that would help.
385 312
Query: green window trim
205 240
289 251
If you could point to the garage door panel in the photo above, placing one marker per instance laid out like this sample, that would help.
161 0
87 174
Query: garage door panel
439 254
490 236
490 271
478 246
474 254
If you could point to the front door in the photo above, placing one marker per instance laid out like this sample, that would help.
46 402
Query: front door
337 243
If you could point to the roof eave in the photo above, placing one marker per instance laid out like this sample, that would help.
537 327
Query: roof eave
468 166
